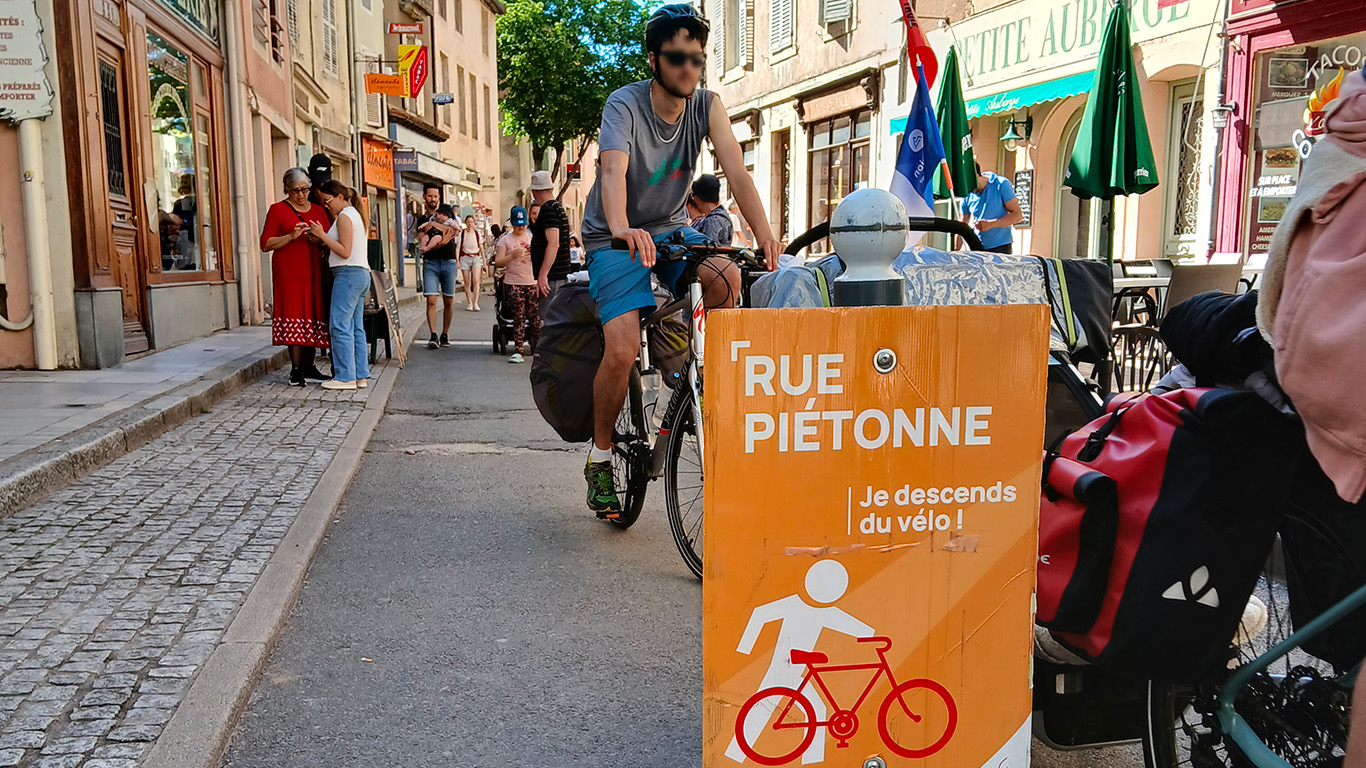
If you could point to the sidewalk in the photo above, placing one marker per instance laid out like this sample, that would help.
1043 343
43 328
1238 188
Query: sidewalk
136 602
57 426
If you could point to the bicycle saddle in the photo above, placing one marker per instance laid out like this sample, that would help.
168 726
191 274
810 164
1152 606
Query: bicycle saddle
808 657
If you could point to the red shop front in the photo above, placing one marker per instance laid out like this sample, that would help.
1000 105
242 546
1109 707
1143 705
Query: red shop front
1286 62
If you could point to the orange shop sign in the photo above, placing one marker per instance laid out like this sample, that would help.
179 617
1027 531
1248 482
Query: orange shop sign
872 495
386 85
378 161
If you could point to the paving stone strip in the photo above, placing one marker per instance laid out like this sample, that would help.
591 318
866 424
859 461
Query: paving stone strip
115 590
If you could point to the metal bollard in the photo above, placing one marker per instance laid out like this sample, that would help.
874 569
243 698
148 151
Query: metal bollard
868 230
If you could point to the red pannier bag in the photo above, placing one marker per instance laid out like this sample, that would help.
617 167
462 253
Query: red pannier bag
1155 522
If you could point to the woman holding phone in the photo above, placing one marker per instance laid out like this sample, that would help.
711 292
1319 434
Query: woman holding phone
346 246
298 319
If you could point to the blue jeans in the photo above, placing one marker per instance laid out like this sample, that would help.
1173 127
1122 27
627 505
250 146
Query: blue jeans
438 275
350 352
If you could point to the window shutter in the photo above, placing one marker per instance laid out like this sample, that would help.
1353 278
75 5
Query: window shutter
374 102
718 34
330 36
294 21
743 30
780 25
833 11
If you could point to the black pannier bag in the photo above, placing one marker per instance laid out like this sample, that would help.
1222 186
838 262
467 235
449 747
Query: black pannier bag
566 362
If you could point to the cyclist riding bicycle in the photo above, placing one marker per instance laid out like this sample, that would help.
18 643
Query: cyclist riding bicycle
649 143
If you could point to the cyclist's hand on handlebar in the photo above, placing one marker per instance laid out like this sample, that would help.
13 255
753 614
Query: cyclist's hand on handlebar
771 250
639 243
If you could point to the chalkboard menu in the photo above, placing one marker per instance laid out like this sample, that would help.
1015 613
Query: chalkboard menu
388 297
1024 194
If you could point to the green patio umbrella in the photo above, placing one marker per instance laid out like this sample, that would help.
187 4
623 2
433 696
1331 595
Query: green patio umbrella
954 132
1112 155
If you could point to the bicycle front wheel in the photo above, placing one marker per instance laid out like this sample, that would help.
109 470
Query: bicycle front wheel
683 482
917 718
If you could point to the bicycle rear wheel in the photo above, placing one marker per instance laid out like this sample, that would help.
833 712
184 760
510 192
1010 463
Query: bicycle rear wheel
683 481
630 454
1294 706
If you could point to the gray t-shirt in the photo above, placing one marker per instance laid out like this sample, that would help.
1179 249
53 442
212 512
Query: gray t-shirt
663 159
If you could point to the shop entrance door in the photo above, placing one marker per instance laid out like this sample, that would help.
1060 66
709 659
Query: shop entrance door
126 246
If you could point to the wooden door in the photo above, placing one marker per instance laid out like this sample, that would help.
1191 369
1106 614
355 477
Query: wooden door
123 181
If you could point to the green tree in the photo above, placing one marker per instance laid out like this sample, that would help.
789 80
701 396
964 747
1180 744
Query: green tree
558 60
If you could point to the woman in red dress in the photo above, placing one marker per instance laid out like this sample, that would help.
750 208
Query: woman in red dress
298 321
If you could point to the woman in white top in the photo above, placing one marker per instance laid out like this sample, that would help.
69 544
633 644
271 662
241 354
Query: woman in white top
346 245
471 262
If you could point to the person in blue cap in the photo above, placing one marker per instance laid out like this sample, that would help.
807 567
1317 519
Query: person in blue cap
513 255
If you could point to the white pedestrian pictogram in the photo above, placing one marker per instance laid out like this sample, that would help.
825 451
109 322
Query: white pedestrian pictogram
802 623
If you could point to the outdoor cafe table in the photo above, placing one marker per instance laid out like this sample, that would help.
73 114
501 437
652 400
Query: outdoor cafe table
1154 281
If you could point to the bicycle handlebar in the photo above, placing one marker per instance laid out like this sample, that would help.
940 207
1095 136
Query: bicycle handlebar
696 254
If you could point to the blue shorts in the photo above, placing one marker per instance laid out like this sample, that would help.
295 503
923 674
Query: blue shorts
438 272
619 285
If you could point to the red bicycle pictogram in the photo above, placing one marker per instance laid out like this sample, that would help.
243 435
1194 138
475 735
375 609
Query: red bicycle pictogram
843 723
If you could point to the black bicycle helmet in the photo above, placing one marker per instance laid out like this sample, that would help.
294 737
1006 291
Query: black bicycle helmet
665 23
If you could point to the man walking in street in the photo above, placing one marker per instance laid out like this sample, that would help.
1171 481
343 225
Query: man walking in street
549 239
439 264
991 209
710 217
650 139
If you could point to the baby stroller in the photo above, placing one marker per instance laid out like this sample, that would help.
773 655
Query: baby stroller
502 316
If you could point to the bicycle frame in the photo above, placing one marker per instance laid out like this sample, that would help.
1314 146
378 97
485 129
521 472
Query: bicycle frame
1233 724
814 673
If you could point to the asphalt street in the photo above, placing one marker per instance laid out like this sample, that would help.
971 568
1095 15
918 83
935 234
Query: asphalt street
467 610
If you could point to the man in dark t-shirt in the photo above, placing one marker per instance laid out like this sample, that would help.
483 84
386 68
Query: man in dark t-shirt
549 239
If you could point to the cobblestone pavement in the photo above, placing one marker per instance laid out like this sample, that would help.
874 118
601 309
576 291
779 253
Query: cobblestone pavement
113 591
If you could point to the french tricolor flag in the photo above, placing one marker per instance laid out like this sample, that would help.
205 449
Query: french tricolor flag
919 157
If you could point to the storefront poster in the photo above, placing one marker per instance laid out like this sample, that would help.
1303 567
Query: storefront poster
1294 87
871 495
24 90
378 161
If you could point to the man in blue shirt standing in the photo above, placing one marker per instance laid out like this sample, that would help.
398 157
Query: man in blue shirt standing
991 209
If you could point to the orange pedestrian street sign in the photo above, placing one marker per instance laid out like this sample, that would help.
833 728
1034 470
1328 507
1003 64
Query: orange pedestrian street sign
872 498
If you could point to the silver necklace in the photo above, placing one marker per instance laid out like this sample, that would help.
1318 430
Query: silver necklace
656 119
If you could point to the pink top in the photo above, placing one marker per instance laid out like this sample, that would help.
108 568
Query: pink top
519 270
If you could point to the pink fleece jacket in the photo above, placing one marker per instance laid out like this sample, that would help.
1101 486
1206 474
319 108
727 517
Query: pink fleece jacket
1312 306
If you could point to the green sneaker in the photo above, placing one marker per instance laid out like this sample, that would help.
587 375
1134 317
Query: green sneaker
602 491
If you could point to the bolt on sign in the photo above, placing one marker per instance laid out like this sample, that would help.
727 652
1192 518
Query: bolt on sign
872 497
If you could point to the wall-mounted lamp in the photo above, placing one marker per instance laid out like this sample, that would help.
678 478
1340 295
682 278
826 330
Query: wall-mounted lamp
1012 137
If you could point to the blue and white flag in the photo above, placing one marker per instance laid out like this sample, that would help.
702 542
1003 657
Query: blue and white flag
919 157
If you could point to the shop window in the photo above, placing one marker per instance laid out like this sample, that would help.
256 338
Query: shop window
1292 91
174 162
1182 201
838 159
